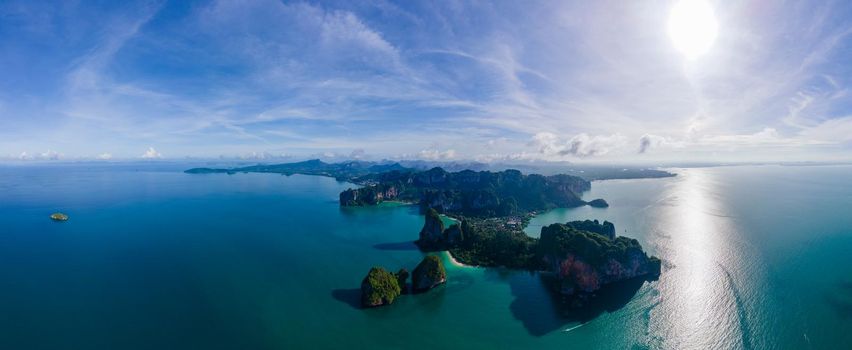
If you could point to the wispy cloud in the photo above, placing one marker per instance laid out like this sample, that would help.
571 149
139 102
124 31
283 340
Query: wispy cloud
583 80
580 145
151 153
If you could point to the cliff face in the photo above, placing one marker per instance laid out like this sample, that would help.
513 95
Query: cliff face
368 195
432 233
585 261
453 235
472 193
428 274
606 229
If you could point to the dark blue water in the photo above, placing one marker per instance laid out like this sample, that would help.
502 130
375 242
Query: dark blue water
755 257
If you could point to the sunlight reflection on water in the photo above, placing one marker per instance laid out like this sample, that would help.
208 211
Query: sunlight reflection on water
697 308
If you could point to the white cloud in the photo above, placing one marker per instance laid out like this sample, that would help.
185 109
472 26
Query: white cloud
105 156
434 154
836 130
358 154
765 136
49 155
580 145
649 141
151 153
506 157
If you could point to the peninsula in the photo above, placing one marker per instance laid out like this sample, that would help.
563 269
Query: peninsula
470 193
493 208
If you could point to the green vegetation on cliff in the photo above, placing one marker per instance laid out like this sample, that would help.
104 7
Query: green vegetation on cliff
584 254
585 261
429 273
470 193
379 287
489 242
432 233
561 240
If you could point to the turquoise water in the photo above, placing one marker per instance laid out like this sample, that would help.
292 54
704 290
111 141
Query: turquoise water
755 257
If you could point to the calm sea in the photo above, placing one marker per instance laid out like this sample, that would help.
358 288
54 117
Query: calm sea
755 257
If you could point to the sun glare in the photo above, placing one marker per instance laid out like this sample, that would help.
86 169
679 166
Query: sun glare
692 27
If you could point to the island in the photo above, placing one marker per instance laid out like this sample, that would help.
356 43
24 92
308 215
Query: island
598 203
429 274
380 287
59 217
491 210
584 256
472 193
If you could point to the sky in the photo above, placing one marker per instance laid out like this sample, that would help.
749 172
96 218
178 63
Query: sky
579 81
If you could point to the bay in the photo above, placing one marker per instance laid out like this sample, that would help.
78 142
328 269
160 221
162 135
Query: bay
754 257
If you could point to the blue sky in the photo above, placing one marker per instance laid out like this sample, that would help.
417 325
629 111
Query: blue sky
449 80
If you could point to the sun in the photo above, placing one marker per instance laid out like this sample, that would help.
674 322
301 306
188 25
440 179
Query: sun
693 27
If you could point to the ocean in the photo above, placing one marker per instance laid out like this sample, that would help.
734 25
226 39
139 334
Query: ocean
755 257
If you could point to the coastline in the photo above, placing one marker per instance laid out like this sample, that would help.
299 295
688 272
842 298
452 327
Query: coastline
456 262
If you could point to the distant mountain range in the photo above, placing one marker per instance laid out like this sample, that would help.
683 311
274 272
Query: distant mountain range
349 170
343 171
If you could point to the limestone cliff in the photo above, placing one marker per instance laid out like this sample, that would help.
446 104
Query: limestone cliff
584 261
368 195
428 274
379 287
432 233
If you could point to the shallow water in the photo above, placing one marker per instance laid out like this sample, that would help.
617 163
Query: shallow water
754 257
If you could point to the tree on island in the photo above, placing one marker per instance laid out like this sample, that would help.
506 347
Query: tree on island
379 287
428 274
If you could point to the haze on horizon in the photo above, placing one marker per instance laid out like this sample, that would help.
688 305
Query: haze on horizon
684 80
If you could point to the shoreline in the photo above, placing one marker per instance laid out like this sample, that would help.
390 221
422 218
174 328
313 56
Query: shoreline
456 262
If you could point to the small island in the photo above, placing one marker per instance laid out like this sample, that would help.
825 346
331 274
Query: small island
380 287
598 203
429 274
59 217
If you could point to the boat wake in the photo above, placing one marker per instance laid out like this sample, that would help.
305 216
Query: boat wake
573 328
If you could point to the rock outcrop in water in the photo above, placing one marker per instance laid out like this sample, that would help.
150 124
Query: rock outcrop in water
58 217
584 261
598 203
432 233
379 287
428 274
